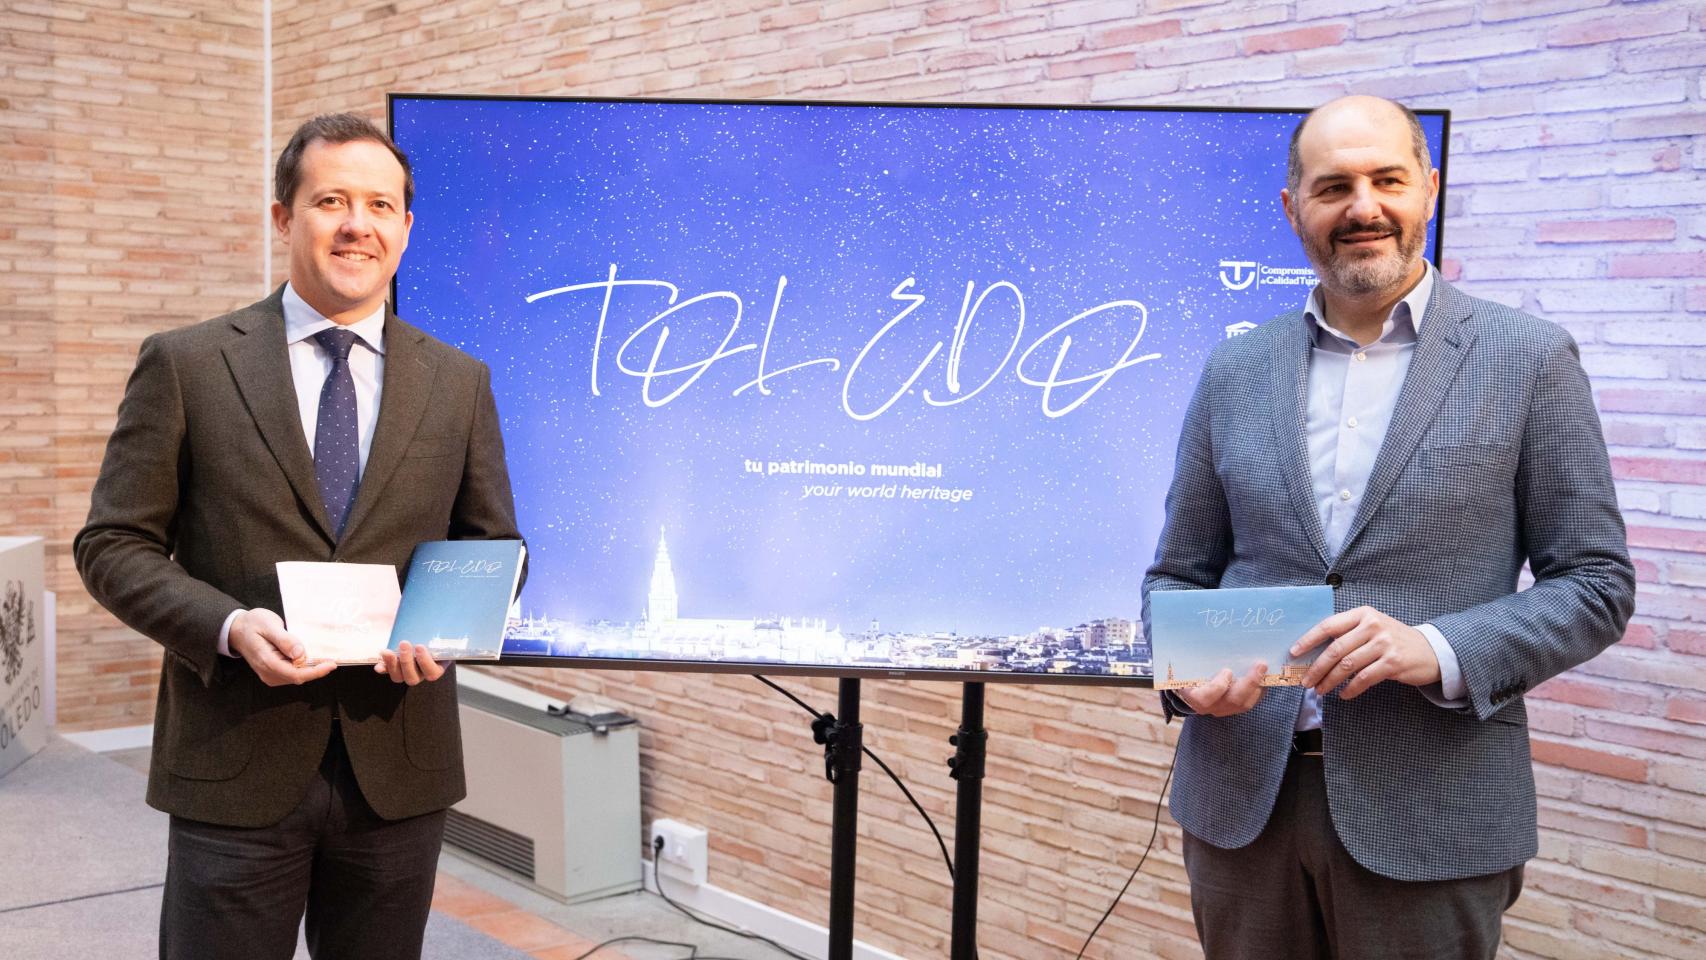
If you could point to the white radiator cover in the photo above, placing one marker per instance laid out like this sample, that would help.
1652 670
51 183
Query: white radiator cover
551 799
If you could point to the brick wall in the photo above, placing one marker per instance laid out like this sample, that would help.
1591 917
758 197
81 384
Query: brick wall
130 158
1579 137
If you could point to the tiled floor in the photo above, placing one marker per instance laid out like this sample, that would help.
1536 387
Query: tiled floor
504 921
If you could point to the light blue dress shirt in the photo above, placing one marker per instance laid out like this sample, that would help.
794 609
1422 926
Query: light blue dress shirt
1352 392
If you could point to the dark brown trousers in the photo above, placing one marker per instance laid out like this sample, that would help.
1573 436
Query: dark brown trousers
1296 893
359 886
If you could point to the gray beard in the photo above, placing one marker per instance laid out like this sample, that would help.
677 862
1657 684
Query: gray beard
1364 276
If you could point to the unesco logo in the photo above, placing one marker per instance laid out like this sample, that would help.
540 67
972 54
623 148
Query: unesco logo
1237 274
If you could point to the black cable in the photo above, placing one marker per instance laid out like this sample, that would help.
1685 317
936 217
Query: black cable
1154 829
940 843
657 880
692 949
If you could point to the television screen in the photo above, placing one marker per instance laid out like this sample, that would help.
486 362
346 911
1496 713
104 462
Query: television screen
843 388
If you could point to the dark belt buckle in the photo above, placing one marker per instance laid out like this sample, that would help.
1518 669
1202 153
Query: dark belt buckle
1306 743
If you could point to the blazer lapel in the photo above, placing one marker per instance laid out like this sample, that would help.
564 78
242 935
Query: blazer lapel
1290 399
260 364
409 373
1442 344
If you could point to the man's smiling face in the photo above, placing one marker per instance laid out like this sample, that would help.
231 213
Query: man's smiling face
346 227
1363 200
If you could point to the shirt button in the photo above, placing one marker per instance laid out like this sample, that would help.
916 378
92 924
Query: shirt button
1352 422
1361 356
1344 494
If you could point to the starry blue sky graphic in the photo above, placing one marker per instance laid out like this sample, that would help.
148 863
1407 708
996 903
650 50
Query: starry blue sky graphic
1070 208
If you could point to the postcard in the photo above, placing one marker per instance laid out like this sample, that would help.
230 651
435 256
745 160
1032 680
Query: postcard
339 611
1197 633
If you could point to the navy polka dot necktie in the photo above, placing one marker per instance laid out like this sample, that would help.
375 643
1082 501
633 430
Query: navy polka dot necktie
337 446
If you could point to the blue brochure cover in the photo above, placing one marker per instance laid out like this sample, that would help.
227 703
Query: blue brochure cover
457 596
1197 633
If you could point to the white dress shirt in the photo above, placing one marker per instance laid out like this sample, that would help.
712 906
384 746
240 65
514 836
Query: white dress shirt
310 364
1352 392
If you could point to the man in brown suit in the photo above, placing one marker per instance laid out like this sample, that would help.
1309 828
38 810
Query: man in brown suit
313 425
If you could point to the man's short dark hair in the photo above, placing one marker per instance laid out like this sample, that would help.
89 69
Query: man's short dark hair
333 128
1418 143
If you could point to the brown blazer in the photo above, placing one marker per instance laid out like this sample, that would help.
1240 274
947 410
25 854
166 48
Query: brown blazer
207 482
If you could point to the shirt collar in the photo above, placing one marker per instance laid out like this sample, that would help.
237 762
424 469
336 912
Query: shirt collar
302 321
1405 319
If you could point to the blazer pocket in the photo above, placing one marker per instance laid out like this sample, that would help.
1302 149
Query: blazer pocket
1462 455
432 734
426 448
209 731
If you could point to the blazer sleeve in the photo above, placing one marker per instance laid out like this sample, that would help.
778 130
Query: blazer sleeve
1196 537
485 507
124 551
1584 583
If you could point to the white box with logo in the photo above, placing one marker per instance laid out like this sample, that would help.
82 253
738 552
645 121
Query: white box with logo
24 633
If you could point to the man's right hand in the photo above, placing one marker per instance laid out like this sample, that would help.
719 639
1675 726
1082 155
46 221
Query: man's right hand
1224 696
259 637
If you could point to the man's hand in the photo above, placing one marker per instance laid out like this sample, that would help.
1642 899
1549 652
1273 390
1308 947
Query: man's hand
259 637
1224 696
408 664
1367 647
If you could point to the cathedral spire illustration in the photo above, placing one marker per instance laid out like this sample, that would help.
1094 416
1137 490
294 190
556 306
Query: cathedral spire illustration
662 603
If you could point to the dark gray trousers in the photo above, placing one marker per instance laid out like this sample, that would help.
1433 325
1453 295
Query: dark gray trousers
361 886
1296 893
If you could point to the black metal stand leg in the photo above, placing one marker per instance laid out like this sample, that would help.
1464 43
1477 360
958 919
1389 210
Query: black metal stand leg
966 767
842 753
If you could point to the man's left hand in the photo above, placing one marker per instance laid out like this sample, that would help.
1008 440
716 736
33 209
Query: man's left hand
410 664
1367 647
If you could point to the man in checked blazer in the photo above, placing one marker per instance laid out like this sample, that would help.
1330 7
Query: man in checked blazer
1412 447
244 441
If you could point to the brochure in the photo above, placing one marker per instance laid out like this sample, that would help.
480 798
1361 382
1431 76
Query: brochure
457 597
1194 634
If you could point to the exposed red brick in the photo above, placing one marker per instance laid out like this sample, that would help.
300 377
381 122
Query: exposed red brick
1664 469
1689 402
1687 708
1130 34
1686 641
1623 26
1603 231
1584 692
1305 38
1090 66
1636 265
1589 760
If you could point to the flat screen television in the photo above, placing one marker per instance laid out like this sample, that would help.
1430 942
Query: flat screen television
843 388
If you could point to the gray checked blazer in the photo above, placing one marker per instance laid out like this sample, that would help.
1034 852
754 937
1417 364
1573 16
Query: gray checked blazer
1494 457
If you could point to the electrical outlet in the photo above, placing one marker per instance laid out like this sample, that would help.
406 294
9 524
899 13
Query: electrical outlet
682 855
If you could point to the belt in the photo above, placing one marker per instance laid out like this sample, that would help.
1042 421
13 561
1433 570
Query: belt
1307 743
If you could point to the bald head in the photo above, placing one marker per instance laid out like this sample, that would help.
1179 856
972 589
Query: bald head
1358 110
